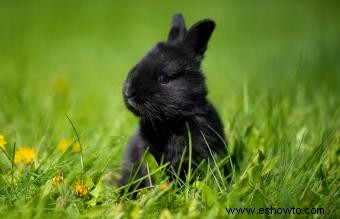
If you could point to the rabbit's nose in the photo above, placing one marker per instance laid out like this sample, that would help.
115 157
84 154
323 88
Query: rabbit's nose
128 92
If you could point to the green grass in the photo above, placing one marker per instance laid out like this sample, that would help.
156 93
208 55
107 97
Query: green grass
272 70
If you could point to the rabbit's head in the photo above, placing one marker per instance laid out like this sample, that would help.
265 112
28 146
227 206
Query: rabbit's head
167 83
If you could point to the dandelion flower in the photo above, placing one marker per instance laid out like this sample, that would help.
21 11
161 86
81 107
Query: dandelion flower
81 189
119 207
76 147
164 186
64 144
56 180
25 155
3 142
62 86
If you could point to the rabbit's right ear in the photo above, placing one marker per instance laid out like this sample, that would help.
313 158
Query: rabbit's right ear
178 29
198 36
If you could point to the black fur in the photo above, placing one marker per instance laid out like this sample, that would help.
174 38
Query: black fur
166 89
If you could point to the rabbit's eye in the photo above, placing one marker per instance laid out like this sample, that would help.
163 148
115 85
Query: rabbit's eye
163 79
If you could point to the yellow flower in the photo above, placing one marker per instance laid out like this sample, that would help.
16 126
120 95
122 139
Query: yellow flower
56 180
25 155
76 147
64 144
119 207
81 189
62 86
3 142
164 186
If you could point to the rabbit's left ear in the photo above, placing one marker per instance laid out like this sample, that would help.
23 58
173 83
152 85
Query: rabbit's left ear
178 29
198 36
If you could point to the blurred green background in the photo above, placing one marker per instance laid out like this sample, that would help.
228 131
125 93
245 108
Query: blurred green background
59 57
94 44
273 72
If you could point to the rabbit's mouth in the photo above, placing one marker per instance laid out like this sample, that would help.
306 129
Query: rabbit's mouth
133 106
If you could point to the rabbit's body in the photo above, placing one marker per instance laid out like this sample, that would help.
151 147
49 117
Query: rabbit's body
166 89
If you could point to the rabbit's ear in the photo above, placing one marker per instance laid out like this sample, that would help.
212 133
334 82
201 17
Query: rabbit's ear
178 29
198 36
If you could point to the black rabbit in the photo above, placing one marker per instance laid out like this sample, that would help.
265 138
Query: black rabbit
167 90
